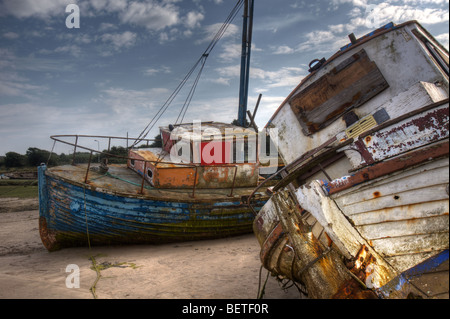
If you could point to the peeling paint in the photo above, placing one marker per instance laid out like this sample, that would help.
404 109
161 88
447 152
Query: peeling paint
71 214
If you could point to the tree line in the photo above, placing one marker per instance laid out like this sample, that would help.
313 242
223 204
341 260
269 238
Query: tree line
35 156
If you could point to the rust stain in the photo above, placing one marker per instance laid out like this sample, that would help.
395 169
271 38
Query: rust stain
329 241
376 194
48 237
259 222
390 166
270 242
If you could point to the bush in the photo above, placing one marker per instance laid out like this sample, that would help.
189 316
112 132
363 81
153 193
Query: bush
36 156
13 159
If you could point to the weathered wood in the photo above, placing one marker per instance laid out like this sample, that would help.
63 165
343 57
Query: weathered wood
343 234
393 208
350 84
403 216
422 243
323 278
406 135
425 186
401 212
396 164
412 227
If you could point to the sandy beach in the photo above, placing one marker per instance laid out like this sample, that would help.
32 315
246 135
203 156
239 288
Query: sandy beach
214 269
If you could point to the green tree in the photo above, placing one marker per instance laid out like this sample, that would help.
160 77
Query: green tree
117 151
13 159
36 157
64 159
236 122
157 142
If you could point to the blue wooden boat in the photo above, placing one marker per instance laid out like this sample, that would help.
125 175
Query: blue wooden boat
159 195
109 209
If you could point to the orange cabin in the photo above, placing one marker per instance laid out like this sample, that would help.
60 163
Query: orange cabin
200 155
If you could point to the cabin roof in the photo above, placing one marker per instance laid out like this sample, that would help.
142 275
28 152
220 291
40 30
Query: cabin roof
204 130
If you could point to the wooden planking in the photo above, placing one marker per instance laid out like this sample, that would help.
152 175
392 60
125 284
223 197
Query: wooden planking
349 85
398 246
421 184
409 227
412 211
66 207
404 216
405 262
415 196
394 177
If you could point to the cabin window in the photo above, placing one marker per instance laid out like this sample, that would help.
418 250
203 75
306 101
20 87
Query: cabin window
149 173
132 162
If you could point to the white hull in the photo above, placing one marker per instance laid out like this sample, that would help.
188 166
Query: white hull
368 180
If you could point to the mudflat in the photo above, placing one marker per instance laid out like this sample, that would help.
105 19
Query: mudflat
227 268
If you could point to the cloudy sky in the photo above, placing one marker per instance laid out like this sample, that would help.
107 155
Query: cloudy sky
110 75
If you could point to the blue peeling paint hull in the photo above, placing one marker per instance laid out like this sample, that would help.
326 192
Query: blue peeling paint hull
71 215
402 282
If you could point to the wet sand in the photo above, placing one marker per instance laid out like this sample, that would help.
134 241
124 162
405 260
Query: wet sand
215 269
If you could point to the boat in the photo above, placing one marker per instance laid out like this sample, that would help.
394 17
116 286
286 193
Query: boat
361 210
194 186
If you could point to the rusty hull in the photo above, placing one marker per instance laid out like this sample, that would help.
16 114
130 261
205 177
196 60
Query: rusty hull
299 255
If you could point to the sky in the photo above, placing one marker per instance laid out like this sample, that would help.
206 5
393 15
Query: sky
110 75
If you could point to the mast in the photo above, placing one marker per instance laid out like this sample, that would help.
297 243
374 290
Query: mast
247 29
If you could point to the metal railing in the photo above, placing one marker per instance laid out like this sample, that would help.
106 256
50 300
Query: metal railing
107 154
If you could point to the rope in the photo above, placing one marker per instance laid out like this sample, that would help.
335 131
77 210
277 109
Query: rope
50 156
191 93
311 263
92 289
127 181
201 60
94 263
261 292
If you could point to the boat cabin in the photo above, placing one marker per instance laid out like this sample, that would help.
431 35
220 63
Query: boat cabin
394 70
200 155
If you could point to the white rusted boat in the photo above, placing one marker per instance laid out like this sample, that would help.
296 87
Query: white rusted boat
363 204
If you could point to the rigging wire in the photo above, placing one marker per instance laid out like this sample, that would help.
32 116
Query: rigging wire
191 94
201 61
